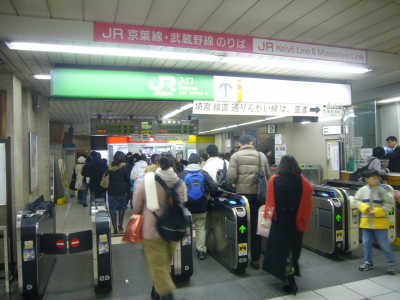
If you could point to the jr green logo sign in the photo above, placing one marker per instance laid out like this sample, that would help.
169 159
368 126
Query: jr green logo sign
116 84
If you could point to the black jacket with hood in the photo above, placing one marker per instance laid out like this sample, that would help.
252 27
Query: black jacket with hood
119 179
200 206
94 170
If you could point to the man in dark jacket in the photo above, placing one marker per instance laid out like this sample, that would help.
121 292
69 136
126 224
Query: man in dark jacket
242 172
199 185
94 170
394 157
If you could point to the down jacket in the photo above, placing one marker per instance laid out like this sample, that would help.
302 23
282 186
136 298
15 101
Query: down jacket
243 168
381 200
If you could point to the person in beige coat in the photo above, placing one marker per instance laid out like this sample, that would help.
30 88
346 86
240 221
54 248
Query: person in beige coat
159 253
242 172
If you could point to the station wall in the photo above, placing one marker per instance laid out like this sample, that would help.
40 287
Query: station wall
21 119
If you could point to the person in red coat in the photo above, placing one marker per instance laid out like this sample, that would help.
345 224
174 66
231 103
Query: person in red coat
289 204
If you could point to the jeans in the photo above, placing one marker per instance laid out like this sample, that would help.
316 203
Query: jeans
381 236
255 239
82 196
199 224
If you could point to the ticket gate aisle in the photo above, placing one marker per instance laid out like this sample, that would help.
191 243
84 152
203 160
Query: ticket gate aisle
228 231
350 188
37 245
334 224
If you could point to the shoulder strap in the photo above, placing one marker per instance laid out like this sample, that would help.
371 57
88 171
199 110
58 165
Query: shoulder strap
261 168
162 183
165 186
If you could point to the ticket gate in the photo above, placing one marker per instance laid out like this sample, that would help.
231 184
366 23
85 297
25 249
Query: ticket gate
38 245
326 232
228 231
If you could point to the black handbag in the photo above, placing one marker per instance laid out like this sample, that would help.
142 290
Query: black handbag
222 180
262 182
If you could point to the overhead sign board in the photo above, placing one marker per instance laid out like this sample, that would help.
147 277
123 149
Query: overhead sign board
242 89
145 35
116 84
264 109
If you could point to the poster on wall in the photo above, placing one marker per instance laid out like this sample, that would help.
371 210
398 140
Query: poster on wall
33 162
280 151
3 182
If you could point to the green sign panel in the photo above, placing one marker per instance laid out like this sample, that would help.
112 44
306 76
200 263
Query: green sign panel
116 84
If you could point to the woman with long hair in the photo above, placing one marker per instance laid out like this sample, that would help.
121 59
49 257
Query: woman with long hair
118 190
289 204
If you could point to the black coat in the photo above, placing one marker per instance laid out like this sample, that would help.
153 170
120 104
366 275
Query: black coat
119 180
394 160
94 170
284 237
201 205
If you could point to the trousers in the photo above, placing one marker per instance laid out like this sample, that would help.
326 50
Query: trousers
199 223
159 254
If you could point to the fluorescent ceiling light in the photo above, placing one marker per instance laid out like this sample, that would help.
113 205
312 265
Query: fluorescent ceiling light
111 51
329 119
242 124
42 76
389 100
296 64
177 111
255 60
305 122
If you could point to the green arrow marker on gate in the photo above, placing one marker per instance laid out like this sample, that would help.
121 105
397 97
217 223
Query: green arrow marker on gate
338 218
242 229
391 212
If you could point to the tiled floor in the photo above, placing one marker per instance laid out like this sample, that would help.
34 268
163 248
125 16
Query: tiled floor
386 287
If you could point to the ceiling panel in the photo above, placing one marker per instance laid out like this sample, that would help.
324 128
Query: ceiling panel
321 14
283 18
6 8
71 9
164 13
227 14
100 10
363 23
372 32
348 16
392 37
258 14
37 8
196 13
132 11
77 111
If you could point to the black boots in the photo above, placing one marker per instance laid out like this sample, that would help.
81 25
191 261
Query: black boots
291 288
167 297
114 222
121 214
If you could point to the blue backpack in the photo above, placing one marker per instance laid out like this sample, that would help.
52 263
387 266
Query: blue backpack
195 182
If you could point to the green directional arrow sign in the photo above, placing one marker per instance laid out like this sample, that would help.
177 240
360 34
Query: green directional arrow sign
391 212
338 218
242 229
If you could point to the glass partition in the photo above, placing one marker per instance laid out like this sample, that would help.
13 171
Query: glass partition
360 134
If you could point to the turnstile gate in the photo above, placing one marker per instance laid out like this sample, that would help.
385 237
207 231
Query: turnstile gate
37 245
228 231
326 232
